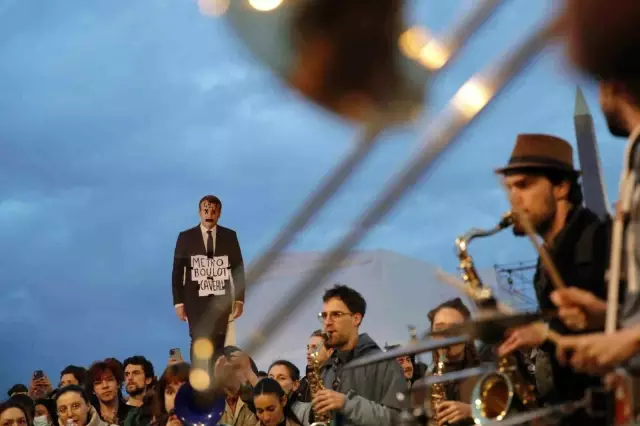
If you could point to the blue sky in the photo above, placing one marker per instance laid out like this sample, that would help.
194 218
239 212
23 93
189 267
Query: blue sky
117 116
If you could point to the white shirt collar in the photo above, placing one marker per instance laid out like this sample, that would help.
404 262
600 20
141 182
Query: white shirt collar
205 230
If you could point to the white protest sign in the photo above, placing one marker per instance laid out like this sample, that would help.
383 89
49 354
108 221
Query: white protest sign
211 274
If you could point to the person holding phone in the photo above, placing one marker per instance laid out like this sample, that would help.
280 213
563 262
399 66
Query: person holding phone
40 386
175 356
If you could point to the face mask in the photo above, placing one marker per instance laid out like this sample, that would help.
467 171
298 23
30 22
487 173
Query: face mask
40 421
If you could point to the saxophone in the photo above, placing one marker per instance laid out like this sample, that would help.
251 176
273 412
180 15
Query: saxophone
316 384
438 390
470 275
495 393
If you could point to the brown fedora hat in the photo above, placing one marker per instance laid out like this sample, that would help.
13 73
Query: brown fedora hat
538 151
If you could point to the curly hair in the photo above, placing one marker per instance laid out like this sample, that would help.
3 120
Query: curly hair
99 368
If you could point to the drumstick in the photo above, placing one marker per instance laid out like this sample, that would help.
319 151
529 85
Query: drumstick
547 262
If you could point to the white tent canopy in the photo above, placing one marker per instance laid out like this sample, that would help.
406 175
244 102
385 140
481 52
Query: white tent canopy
399 291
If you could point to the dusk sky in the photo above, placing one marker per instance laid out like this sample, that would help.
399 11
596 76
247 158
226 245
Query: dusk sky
117 116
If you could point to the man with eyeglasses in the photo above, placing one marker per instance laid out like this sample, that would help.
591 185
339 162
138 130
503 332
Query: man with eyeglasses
365 395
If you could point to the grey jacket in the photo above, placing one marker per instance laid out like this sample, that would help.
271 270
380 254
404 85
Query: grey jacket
371 389
302 411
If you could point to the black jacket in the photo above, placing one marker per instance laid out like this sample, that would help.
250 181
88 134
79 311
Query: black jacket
190 243
580 252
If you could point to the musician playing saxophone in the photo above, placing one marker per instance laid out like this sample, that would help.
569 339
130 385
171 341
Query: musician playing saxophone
316 352
543 185
365 395
455 410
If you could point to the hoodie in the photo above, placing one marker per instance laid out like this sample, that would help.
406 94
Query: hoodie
370 390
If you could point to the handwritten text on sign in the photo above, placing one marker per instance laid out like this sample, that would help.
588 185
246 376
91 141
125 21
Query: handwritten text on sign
210 274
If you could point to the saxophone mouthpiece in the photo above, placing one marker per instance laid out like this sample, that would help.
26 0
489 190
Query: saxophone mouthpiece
507 220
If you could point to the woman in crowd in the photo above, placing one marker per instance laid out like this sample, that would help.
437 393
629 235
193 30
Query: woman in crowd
27 404
453 410
288 377
73 407
45 413
170 382
12 413
272 406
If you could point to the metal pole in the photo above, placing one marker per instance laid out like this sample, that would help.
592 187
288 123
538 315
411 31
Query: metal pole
442 133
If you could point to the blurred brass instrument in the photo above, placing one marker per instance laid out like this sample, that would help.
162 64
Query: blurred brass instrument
496 393
316 384
438 390
342 55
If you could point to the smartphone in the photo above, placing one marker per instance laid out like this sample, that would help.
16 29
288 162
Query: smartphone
175 354
38 374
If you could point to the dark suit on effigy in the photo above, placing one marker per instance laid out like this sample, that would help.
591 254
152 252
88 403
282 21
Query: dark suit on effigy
208 273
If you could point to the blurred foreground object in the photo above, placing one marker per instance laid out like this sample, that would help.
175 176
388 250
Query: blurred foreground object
603 36
343 55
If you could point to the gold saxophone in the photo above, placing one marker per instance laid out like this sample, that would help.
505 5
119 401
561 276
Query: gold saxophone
438 390
469 273
316 384
497 392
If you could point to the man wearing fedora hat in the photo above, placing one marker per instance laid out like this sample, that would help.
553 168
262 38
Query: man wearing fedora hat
543 183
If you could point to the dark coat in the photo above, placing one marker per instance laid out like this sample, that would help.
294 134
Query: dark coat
581 253
186 290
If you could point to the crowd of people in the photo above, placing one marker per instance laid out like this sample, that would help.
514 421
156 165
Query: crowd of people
128 393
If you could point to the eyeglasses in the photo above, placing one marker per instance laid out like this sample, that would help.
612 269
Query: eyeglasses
332 315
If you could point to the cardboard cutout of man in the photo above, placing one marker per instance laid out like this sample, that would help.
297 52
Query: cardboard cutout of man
208 272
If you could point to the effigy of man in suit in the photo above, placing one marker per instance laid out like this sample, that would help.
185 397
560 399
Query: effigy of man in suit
208 272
